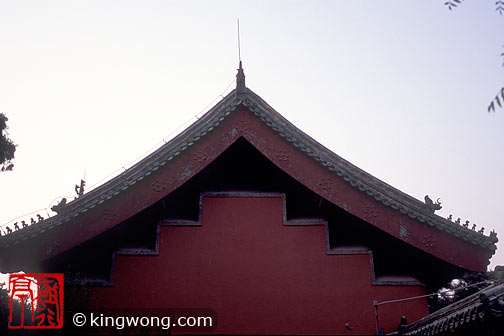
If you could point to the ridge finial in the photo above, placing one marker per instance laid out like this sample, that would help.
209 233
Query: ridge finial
240 80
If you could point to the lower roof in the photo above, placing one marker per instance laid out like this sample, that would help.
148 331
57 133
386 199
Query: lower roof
480 313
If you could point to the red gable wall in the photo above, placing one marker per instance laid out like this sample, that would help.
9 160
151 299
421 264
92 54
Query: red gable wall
259 275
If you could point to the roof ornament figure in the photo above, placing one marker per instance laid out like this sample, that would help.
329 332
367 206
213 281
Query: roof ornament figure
79 190
493 234
403 323
466 224
450 218
430 205
39 218
482 230
9 230
59 207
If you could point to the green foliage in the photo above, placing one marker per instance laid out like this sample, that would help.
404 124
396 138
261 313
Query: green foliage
452 3
5 309
4 306
457 289
499 7
499 101
7 147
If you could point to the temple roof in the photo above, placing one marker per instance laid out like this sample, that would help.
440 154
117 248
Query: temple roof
477 314
242 96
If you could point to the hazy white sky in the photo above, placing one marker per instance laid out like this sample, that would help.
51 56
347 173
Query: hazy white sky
399 88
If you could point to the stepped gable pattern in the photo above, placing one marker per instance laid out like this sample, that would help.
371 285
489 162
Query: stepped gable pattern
356 177
312 221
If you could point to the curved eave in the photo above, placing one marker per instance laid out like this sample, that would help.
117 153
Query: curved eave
356 177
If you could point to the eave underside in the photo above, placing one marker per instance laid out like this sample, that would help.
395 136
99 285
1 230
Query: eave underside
346 234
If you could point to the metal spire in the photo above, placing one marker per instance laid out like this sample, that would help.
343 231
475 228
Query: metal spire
240 76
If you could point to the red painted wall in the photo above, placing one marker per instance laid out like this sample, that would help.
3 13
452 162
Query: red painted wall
260 276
